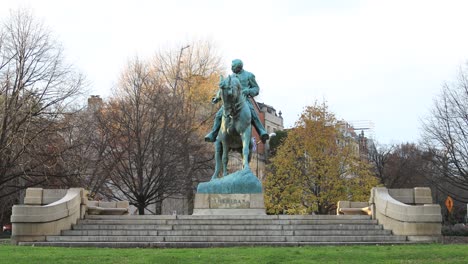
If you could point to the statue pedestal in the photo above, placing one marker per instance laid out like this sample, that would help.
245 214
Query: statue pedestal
242 182
229 204
239 193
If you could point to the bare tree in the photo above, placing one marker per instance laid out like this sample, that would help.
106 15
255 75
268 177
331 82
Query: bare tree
36 86
79 150
445 133
405 167
378 156
154 126
139 124
192 74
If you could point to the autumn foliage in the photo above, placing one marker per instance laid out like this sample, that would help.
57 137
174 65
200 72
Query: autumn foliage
315 167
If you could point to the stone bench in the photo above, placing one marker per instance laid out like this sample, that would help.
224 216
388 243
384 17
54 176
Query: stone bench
107 208
353 208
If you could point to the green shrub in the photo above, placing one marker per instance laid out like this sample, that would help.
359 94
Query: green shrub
455 230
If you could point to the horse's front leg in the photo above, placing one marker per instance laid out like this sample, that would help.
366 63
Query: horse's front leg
225 158
246 139
218 153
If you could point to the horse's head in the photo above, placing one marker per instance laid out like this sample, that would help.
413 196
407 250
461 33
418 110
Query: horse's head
231 93
230 86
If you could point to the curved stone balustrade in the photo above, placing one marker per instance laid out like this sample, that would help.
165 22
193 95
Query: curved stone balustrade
35 222
421 221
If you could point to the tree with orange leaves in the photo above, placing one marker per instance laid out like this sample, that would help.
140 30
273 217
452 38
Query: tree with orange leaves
315 167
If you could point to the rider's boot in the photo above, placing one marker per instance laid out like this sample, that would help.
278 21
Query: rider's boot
211 137
259 127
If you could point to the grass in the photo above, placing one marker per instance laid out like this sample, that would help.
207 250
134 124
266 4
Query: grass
423 253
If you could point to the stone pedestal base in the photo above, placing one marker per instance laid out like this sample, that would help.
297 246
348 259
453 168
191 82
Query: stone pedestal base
243 181
229 204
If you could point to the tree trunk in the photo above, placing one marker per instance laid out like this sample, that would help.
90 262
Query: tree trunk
141 209
158 208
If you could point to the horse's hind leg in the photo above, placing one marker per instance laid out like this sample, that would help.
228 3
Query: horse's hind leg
218 153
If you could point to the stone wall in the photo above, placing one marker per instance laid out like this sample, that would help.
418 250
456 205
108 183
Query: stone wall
47 212
408 212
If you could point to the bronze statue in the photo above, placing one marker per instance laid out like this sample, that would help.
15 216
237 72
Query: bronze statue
236 130
250 89
232 130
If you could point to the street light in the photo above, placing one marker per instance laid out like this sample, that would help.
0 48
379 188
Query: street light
178 67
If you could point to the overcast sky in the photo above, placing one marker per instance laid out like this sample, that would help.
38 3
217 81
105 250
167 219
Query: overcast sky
381 61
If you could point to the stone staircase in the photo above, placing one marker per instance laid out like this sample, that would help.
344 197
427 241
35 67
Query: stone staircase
221 231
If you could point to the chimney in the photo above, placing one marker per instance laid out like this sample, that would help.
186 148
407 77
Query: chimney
94 102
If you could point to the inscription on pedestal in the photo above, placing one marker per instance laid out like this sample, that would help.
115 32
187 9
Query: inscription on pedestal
231 201
229 204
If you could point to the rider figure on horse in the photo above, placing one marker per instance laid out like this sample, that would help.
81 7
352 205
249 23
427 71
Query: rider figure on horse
250 89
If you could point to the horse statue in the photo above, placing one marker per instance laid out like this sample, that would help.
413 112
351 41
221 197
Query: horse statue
236 129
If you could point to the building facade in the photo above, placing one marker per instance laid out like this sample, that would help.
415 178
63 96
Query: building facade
272 121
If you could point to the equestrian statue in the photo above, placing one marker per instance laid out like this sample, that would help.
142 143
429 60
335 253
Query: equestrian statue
232 130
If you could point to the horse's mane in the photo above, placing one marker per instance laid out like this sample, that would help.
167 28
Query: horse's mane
232 80
232 107
229 80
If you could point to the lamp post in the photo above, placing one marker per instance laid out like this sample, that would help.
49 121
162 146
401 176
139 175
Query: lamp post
178 66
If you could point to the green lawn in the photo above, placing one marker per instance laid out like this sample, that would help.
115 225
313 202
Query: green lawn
428 253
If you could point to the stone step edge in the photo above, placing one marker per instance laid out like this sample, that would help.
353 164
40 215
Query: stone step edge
228 217
225 222
162 238
359 231
226 227
207 244
293 233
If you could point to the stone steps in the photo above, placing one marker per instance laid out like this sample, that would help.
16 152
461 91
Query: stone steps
227 227
256 232
201 244
214 217
225 222
206 238
221 231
